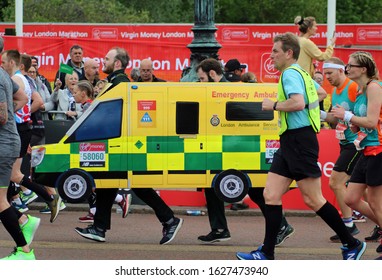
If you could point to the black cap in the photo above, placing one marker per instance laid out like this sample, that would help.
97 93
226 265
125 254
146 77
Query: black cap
234 64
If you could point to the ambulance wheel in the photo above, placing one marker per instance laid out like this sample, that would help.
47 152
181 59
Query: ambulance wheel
75 185
231 185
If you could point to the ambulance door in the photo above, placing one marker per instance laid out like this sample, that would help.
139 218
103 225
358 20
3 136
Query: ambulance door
186 123
147 134
95 143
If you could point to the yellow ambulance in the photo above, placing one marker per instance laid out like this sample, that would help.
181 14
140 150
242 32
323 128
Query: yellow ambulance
165 135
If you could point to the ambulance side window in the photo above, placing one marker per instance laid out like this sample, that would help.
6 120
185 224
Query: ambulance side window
247 111
104 122
187 117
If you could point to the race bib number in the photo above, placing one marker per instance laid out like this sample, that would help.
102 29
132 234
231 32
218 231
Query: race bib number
357 142
271 147
340 131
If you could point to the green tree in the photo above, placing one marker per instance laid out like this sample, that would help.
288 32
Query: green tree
92 11
281 11
182 11
164 11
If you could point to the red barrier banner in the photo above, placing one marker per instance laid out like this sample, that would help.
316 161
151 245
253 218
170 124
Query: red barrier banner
169 58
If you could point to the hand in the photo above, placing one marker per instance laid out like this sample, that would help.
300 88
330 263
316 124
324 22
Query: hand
333 40
71 113
268 104
57 84
338 112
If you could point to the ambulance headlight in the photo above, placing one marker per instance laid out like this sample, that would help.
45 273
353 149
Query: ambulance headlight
37 156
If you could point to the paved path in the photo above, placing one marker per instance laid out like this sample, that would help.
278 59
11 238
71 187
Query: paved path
137 238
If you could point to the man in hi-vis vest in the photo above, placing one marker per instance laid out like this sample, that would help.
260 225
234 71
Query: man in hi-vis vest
298 106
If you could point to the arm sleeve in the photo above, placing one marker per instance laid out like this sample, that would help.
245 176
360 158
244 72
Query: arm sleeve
314 52
49 106
54 96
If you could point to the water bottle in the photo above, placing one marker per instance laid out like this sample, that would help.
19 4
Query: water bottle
195 213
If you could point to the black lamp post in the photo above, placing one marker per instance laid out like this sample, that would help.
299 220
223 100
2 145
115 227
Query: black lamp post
204 45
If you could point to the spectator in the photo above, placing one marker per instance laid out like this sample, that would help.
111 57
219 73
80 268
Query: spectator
41 89
99 87
64 99
134 74
39 75
319 78
309 50
75 62
146 72
83 94
91 67
233 70
249 77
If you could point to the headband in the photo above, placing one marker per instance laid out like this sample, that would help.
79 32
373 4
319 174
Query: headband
333 65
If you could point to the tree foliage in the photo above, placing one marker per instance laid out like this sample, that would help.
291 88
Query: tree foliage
182 11
92 11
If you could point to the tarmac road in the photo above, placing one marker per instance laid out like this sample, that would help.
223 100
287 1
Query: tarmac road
137 238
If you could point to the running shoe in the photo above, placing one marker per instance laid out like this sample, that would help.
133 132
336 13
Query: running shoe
46 209
89 218
125 204
28 198
22 208
92 233
354 253
30 228
252 256
239 206
375 235
170 231
19 254
215 236
284 233
358 217
54 207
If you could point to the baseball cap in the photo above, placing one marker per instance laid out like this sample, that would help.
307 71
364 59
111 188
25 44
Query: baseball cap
234 64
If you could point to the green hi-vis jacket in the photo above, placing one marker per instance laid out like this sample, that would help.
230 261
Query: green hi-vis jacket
312 107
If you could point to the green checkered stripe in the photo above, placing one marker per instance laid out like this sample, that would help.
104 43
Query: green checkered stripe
226 145
197 160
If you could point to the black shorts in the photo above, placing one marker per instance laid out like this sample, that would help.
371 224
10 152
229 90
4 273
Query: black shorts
368 170
25 133
297 156
347 159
